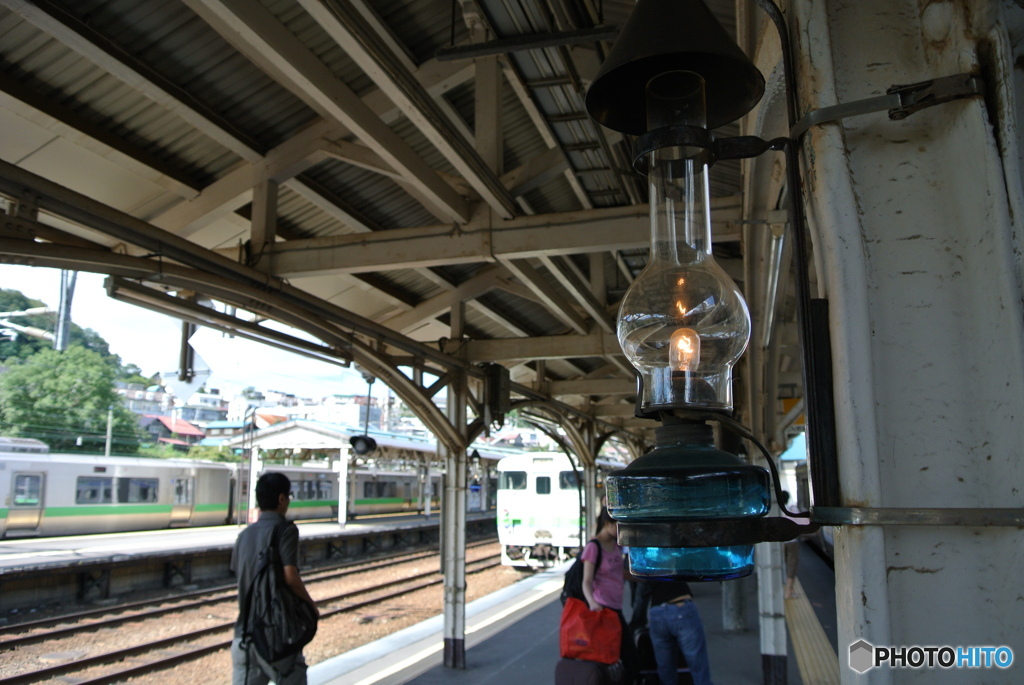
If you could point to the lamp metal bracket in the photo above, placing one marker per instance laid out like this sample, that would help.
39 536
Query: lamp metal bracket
900 100
916 516
712 532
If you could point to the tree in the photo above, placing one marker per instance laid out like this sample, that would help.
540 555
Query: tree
21 345
132 374
212 453
62 398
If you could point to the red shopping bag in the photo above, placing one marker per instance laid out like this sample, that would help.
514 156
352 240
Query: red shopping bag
589 635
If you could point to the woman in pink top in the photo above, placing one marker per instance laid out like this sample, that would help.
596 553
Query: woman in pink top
602 586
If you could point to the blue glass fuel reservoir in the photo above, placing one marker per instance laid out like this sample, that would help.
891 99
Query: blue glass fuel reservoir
686 478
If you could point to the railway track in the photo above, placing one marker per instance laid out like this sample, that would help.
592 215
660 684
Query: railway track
188 600
117 665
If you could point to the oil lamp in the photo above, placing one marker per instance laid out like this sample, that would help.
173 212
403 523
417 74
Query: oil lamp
683 323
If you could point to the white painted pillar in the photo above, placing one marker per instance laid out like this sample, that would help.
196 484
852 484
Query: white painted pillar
454 516
918 250
344 471
255 467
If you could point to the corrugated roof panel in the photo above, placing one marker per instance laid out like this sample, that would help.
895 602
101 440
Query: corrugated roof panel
520 138
317 41
419 143
62 75
306 218
459 273
526 314
422 26
380 199
199 61
412 281
556 196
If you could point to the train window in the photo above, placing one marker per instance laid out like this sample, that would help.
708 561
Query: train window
308 489
543 485
324 490
369 489
135 490
512 480
182 490
27 490
93 490
568 480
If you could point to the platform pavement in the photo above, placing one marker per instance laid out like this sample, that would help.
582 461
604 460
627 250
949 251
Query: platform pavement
512 639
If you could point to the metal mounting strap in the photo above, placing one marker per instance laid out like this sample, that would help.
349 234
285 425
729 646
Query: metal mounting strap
887 516
901 101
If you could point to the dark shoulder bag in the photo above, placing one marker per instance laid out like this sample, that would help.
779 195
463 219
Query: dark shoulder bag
276 623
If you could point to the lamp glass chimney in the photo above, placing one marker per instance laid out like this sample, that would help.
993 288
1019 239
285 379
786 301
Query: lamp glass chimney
683 323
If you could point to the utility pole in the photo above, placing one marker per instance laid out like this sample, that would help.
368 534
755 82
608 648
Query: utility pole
67 294
110 430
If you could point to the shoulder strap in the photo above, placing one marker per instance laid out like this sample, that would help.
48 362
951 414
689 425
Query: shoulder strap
598 543
247 602
275 557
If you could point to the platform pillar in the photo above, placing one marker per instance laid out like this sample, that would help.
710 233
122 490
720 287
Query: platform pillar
917 236
453 513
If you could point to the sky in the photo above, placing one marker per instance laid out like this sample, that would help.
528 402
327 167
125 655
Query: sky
151 342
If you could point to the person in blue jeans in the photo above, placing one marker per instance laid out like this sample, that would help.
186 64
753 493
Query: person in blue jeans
673 621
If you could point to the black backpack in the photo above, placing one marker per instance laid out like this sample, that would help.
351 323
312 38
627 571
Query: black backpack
276 623
573 586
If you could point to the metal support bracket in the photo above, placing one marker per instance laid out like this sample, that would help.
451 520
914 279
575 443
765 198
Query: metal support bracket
917 516
336 551
901 101
20 219
175 569
87 582
712 533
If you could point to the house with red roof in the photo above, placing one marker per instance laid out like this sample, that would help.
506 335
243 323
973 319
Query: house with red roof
172 431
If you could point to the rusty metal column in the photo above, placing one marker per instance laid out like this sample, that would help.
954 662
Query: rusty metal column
453 541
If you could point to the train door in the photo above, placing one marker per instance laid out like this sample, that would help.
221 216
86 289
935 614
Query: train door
184 500
26 507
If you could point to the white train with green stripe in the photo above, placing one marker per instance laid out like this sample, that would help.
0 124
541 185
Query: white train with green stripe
45 494
539 509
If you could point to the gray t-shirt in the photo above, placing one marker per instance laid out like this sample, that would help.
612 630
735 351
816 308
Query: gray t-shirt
251 542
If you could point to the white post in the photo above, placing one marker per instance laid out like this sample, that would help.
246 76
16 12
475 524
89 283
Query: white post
453 519
343 473
110 431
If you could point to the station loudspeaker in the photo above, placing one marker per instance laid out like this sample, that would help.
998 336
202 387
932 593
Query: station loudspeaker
497 393
362 444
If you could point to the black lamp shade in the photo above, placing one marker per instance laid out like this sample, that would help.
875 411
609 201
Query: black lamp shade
670 35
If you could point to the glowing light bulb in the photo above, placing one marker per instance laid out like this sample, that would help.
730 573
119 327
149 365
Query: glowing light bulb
684 349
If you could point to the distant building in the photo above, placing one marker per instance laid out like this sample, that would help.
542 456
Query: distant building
171 431
200 415
521 438
145 400
339 409
203 407
217 432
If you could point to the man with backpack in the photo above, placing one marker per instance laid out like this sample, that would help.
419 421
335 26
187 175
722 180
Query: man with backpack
273 495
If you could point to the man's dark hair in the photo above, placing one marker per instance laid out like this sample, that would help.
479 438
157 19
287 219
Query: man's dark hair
269 489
